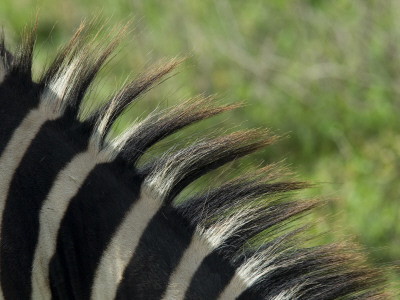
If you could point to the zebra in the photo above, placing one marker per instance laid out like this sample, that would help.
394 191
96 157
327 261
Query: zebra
84 215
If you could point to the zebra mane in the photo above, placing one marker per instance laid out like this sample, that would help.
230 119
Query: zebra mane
251 225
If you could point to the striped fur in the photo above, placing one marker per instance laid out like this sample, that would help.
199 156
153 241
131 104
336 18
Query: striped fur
82 219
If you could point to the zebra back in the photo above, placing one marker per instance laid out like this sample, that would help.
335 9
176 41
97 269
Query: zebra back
83 215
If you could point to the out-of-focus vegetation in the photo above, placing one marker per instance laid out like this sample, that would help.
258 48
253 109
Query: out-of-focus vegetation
326 73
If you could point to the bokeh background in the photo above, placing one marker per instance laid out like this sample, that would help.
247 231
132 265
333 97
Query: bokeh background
324 74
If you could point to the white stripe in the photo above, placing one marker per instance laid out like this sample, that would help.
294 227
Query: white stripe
180 279
18 144
66 185
237 286
122 247
202 244
14 152
233 290
252 271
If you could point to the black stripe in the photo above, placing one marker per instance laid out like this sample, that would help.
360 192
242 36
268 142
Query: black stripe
158 253
87 227
50 151
252 294
17 98
212 276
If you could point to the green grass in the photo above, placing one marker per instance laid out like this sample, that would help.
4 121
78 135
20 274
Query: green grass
326 73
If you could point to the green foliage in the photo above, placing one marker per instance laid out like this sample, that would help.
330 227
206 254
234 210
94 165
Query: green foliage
326 73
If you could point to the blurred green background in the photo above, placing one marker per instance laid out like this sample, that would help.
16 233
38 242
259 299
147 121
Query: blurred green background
326 74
